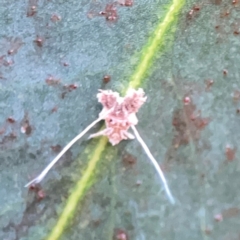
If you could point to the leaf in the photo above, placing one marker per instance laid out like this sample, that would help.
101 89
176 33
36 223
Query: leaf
189 121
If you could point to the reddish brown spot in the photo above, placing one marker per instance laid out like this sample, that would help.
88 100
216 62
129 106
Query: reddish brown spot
129 159
236 95
209 83
196 8
71 87
190 14
65 64
52 81
39 41
218 217
236 32
225 72
54 109
231 212
26 127
238 111
120 234
9 138
188 123
11 120
41 195
34 187
32 8
57 148
230 153
55 18
106 78
8 63
110 12
234 2
208 230
217 26
126 3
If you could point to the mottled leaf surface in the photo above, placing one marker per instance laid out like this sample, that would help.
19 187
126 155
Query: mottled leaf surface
52 63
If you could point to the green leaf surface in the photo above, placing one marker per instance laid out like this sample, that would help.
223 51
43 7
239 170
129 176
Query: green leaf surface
185 57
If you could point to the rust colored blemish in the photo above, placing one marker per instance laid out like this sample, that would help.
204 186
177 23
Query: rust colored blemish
55 18
129 159
209 83
38 191
230 153
57 148
217 2
25 125
32 8
126 3
110 12
14 45
106 79
236 95
208 230
52 81
9 138
188 123
193 12
54 109
8 63
11 120
225 72
39 41
238 110
65 64
68 88
71 87
230 212
235 2
11 45
41 195
120 234
225 13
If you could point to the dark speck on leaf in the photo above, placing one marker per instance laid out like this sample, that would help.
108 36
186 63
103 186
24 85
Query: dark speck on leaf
41 195
32 8
106 78
129 159
225 72
209 83
55 18
57 148
11 120
230 153
39 41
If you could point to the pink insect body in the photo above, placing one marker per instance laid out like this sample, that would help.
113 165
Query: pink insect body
121 113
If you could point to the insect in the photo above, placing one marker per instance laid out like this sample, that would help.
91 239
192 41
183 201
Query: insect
119 114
